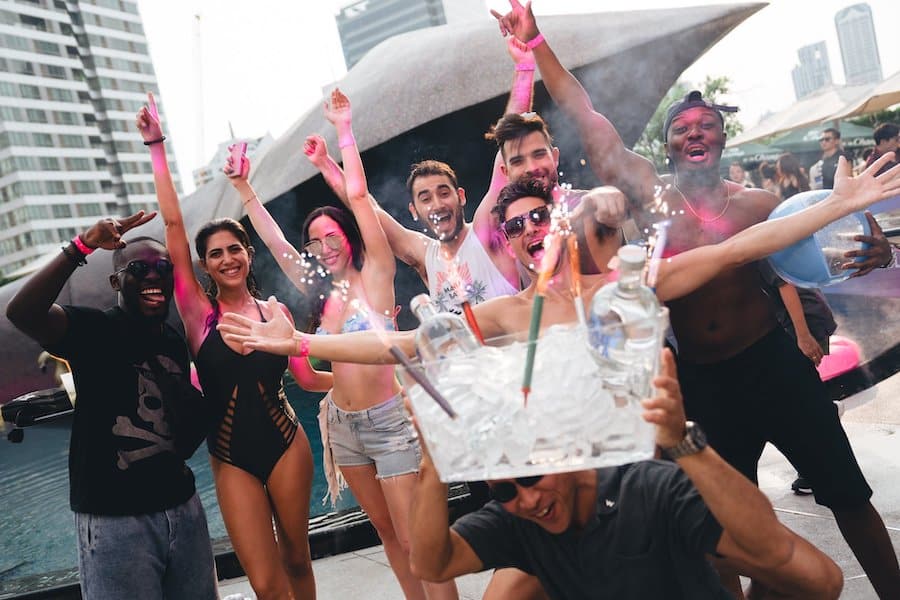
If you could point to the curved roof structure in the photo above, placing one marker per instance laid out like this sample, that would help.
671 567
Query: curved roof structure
432 92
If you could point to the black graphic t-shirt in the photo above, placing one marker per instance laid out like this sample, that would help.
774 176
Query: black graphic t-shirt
122 458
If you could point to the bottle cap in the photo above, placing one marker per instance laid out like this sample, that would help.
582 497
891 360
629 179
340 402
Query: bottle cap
418 302
632 255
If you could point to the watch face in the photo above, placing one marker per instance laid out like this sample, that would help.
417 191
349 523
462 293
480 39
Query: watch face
696 434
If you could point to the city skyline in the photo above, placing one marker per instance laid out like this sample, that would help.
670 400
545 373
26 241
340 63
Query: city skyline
288 52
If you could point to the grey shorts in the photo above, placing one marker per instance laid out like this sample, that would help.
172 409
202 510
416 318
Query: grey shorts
380 435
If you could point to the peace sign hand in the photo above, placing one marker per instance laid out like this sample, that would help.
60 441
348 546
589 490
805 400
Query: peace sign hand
107 233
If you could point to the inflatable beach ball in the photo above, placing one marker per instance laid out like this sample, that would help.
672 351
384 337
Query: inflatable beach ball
816 261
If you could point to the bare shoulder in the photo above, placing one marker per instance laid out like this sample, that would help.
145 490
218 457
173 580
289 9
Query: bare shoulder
758 199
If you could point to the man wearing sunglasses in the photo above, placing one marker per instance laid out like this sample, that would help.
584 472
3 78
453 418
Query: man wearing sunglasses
644 530
744 379
832 151
142 531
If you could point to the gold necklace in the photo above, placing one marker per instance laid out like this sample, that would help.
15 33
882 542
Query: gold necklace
695 213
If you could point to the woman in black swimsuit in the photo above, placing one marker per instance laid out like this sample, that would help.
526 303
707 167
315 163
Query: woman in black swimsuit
261 459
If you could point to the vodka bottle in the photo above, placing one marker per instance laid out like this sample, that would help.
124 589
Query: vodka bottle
624 330
441 333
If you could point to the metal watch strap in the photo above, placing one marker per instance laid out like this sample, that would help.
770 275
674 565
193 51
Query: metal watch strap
693 442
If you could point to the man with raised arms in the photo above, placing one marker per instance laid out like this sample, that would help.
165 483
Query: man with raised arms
462 261
743 378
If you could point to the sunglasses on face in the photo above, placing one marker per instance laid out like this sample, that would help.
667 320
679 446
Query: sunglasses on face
139 269
516 226
825 139
504 491
333 241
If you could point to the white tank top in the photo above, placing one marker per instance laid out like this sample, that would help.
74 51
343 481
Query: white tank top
470 275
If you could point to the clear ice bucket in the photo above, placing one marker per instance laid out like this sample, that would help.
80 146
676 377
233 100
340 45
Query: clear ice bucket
583 410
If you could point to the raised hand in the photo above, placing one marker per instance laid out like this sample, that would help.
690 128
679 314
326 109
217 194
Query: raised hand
518 51
107 233
147 120
866 188
876 255
605 204
338 110
315 149
275 335
519 21
666 410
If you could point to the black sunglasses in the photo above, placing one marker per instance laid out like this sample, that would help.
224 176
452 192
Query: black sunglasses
332 240
825 139
516 226
504 491
139 269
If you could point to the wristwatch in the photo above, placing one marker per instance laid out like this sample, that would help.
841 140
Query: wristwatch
694 441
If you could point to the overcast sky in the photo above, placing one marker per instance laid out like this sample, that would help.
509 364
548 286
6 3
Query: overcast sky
262 65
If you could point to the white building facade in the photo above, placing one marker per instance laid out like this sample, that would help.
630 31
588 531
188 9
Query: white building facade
72 76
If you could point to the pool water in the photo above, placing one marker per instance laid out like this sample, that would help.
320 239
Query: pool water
37 530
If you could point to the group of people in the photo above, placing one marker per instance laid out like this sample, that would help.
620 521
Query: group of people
684 528
787 176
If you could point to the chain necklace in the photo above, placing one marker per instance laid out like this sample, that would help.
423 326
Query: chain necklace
695 213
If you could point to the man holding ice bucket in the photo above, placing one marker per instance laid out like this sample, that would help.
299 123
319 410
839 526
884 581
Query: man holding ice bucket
708 509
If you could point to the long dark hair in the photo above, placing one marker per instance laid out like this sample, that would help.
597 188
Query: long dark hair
788 166
202 239
348 226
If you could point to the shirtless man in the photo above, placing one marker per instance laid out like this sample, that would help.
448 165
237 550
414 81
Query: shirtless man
730 346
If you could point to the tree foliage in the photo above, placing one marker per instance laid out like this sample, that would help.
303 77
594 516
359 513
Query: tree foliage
877 118
651 144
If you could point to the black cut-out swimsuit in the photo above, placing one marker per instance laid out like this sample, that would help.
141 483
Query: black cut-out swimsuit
254 424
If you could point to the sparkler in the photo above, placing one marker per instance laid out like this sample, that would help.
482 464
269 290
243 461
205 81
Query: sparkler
422 380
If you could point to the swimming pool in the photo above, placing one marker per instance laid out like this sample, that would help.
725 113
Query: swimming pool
37 532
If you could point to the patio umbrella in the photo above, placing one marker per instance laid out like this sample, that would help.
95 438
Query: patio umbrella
809 111
884 95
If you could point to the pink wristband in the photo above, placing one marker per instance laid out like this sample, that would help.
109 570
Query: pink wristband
82 247
525 66
346 140
535 41
303 350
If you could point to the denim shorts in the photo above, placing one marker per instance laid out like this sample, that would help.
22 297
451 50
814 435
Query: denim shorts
165 554
380 435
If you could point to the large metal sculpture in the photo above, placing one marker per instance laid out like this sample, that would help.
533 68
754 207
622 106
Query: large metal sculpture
428 94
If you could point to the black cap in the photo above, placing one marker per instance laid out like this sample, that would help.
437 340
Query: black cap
692 99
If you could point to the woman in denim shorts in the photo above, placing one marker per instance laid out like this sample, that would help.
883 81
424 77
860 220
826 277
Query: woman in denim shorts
365 429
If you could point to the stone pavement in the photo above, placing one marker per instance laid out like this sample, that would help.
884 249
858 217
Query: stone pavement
872 421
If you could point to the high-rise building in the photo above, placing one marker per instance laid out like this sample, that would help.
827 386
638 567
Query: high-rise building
859 46
366 23
814 71
72 76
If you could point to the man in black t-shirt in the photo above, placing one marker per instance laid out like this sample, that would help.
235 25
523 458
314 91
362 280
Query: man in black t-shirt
645 530
830 142
142 531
